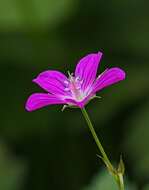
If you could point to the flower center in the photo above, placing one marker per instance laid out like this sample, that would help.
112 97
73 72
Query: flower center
74 86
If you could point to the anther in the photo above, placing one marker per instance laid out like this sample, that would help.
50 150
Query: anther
67 89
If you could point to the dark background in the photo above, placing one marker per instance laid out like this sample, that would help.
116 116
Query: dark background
49 149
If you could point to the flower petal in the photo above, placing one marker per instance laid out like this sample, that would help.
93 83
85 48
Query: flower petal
87 68
53 82
107 78
39 100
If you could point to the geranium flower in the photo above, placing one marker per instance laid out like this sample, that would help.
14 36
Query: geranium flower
75 89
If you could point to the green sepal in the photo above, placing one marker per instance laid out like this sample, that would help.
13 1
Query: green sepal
101 74
92 97
121 166
68 106
74 106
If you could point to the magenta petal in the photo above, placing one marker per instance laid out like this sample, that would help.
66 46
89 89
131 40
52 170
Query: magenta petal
87 68
53 82
39 100
107 78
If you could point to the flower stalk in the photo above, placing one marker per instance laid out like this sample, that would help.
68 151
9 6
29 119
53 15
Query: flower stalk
118 175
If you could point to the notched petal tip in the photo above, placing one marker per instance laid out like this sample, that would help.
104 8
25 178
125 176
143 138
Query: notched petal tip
29 106
99 54
123 75
86 69
109 77
34 80
118 73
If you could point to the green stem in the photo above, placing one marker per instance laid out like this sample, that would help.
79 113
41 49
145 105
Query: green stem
96 138
120 182
118 178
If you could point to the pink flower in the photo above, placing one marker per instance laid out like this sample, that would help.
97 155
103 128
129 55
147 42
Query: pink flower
75 90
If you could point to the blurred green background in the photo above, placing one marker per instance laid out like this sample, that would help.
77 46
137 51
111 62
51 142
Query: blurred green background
49 149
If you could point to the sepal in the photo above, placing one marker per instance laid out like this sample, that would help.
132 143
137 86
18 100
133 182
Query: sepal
74 106
92 97
101 74
69 106
121 166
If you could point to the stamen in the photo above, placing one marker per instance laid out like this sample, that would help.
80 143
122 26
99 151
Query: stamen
67 89
70 75
82 81
78 78
65 82
73 85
